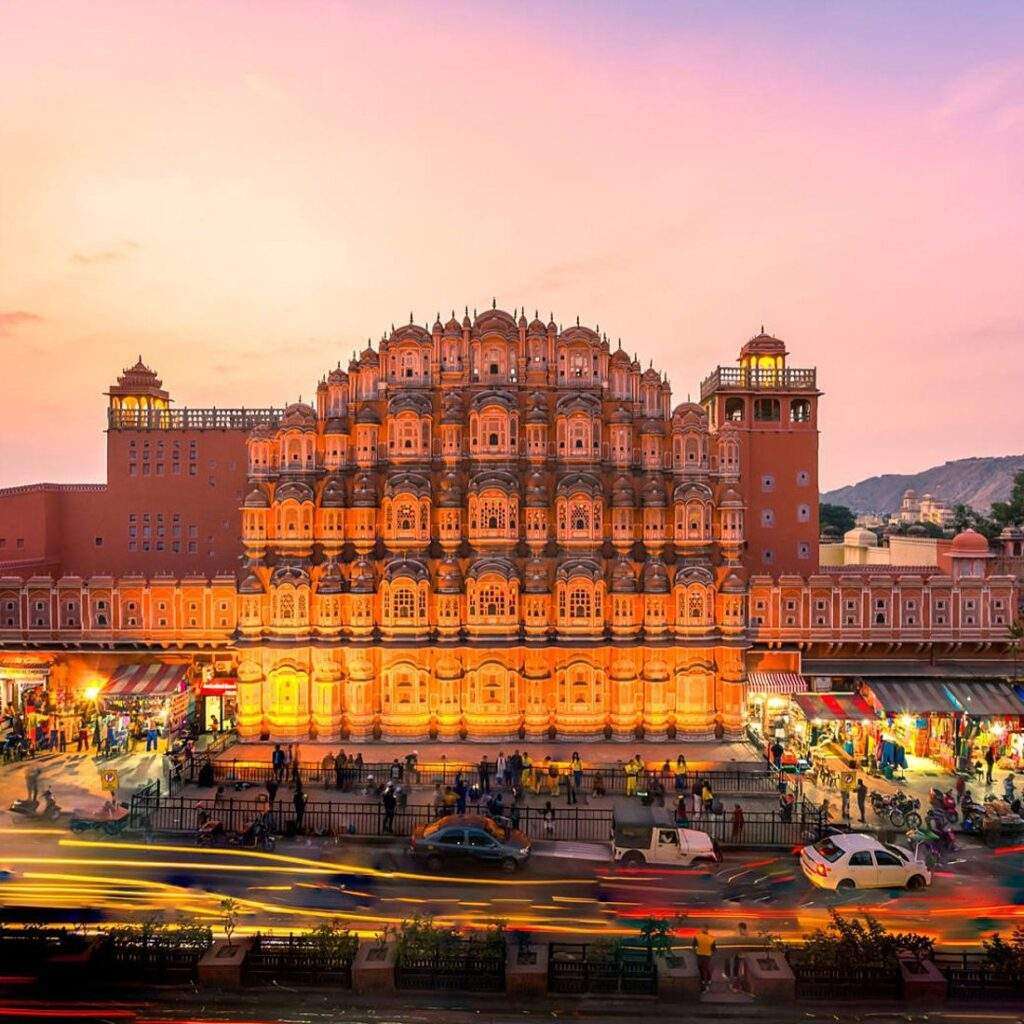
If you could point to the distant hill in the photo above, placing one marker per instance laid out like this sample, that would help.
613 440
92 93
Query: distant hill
974 482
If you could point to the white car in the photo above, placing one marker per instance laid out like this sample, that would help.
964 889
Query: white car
858 861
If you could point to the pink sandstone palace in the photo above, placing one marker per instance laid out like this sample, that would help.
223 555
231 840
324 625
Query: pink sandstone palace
490 528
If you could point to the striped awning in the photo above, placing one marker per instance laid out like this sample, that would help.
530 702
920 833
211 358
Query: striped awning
777 682
833 707
977 698
151 680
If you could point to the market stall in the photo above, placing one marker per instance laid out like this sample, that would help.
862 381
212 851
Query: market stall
150 693
768 711
219 701
832 730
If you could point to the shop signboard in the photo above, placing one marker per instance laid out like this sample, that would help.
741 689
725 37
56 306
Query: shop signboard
109 780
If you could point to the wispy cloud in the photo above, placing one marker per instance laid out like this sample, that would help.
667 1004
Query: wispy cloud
115 253
991 95
15 318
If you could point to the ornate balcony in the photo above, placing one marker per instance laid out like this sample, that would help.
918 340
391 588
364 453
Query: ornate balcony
738 378
192 419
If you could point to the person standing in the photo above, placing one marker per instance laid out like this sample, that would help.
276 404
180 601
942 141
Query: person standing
549 820
704 945
500 766
576 767
630 777
570 788
339 770
299 802
862 798
460 794
390 802
272 785
737 823
777 751
32 783
483 774
990 763
277 763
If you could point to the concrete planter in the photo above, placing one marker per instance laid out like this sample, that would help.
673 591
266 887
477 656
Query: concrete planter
75 968
223 965
679 977
767 975
373 969
923 983
526 973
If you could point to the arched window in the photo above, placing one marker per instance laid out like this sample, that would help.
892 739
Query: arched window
405 517
800 410
403 603
734 409
695 605
579 516
286 604
766 410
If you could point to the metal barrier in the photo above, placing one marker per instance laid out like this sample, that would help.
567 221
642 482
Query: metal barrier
578 968
462 969
972 976
295 960
880 981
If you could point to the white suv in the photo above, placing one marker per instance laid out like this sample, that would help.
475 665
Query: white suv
858 861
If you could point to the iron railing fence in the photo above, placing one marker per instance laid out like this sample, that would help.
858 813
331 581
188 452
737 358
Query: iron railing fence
579 968
464 968
973 977
296 960
813 982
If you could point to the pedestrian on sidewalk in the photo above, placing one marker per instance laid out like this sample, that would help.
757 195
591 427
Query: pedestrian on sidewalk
682 818
277 762
552 777
326 768
152 735
570 788
395 771
483 773
862 798
704 945
597 783
32 783
82 742
549 820
339 770
681 773
990 763
631 773
460 794
734 962
526 774
390 802
299 802
438 801
576 767
62 738
500 767
737 823
707 797
844 803
777 751
449 800
272 785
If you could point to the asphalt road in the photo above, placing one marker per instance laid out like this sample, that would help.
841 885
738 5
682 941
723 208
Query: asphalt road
54 876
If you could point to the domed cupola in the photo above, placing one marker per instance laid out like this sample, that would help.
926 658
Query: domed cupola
450 494
656 577
406 568
333 494
367 415
537 495
331 581
449 576
294 490
623 494
537 576
300 416
364 491
288 573
623 578
257 498
653 493
362 579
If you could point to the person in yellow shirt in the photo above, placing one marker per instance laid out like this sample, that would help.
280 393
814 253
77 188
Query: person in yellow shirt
705 947
630 777
527 774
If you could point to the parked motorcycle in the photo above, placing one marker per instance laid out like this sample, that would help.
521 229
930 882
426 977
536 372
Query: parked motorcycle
900 810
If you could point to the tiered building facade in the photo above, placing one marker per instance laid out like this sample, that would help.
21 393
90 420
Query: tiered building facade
489 528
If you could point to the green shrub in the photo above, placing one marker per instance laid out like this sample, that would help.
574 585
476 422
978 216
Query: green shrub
852 942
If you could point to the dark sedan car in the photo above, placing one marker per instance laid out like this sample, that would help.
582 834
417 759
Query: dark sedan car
469 840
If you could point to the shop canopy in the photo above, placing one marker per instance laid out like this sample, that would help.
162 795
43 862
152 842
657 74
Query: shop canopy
947 696
146 681
776 682
833 707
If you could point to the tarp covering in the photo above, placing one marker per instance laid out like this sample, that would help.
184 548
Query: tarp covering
833 707
978 699
151 680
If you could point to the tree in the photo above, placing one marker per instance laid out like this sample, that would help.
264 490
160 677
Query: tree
1011 513
839 517
967 518
229 919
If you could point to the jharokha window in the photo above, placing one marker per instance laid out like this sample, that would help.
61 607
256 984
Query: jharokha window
403 604
579 603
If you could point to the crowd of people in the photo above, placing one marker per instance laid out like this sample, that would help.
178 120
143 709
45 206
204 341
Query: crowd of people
40 727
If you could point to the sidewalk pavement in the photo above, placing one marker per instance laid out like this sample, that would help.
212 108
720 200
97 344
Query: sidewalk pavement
737 754
75 778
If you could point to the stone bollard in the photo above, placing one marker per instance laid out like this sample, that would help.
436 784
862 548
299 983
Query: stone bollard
679 977
526 969
923 983
373 970
223 965
767 975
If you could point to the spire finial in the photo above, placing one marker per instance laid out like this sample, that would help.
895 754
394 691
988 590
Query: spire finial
410 316
494 302
577 319
762 328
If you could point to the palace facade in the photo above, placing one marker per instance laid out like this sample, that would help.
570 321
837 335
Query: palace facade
493 527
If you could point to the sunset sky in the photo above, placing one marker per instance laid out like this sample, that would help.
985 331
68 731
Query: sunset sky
243 192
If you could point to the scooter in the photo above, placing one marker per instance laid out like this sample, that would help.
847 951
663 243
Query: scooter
30 808
944 804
